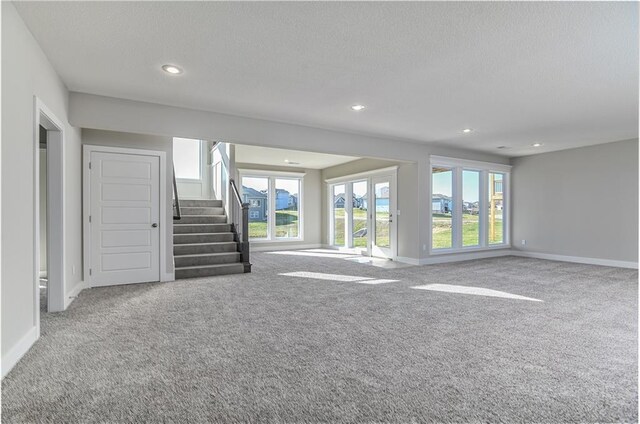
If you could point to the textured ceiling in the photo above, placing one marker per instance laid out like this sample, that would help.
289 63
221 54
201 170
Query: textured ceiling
297 159
562 74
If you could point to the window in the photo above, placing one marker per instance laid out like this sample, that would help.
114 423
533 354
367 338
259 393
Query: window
469 204
359 214
287 217
470 208
275 204
339 216
186 158
254 191
441 208
495 204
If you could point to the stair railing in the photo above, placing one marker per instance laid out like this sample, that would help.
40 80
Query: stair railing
240 221
176 199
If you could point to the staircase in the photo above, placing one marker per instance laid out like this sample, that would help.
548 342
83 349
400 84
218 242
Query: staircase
204 244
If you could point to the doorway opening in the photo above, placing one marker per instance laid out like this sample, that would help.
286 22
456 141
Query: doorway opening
48 212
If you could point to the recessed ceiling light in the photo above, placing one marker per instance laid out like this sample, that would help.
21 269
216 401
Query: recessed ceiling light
171 69
290 162
501 147
467 130
357 108
537 144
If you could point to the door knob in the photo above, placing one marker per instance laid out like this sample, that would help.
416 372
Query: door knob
154 225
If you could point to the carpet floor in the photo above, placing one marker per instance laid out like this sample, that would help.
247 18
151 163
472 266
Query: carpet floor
264 347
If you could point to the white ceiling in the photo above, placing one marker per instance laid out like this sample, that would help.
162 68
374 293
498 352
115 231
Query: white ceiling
563 74
297 159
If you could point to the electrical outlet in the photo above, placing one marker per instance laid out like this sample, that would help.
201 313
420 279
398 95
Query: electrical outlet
524 242
424 247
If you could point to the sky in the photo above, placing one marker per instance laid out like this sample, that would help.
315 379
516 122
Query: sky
442 182
260 184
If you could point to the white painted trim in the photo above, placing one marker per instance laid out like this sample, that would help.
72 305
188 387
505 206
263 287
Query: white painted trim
407 260
55 209
467 256
260 173
469 164
13 356
167 276
269 248
74 293
361 175
576 259
87 149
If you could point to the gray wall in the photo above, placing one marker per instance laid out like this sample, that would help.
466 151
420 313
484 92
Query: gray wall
145 142
579 202
26 73
311 207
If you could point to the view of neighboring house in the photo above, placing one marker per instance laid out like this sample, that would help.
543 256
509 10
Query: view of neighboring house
338 201
283 199
257 201
441 203
293 201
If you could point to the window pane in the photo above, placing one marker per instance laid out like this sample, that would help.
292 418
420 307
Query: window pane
441 208
287 208
382 214
496 202
255 192
338 214
186 158
470 208
360 214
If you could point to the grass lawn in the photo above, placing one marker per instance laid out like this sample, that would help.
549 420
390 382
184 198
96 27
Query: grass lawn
360 222
286 226
441 228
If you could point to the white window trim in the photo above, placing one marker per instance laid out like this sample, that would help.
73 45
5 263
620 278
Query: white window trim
271 176
457 166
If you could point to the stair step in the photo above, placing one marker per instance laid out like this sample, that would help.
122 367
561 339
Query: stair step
189 203
202 238
206 259
202 219
199 210
200 228
195 248
208 270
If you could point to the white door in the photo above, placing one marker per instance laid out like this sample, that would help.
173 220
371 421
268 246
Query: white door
383 206
124 218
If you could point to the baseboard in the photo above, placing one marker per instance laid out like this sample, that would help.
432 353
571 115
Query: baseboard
576 259
168 276
406 260
277 246
42 274
74 293
469 256
17 352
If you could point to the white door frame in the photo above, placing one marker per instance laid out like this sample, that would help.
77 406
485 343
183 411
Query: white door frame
87 149
55 210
